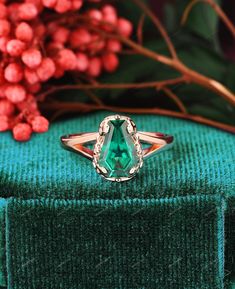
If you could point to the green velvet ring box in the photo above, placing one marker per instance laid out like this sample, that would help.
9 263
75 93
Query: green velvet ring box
64 227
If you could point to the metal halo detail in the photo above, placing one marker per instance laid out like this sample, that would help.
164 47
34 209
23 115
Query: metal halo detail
118 154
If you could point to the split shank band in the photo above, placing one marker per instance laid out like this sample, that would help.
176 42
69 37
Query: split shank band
75 142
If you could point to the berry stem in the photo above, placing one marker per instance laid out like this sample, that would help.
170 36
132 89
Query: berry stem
66 107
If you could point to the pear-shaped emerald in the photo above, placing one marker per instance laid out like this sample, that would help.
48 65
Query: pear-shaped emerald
118 154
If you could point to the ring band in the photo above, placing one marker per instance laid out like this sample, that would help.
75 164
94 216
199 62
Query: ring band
118 153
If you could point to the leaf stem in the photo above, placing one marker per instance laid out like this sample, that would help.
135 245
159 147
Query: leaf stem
159 26
175 98
98 86
84 107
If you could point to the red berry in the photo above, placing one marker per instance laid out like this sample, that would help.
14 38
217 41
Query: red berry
3 44
59 72
109 15
76 4
52 27
95 15
24 32
2 78
110 62
6 107
125 27
13 73
114 45
67 59
82 62
109 9
2 90
15 93
97 44
80 37
39 30
30 76
3 11
12 12
49 3
40 124
37 3
27 11
22 132
31 105
53 48
34 88
61 35
4 123
32 58
15 47
5 27
46 69
63 6
95 67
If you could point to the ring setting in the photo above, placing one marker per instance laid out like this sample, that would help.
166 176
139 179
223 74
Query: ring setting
118 153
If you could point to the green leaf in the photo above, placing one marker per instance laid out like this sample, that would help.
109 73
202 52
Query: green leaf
202 20
203 60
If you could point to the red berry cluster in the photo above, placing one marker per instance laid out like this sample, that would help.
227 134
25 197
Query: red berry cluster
34 49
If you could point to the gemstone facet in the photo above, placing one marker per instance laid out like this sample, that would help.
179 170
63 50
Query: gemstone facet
117 152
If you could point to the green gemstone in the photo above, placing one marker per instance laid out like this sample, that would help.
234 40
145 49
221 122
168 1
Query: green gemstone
118 153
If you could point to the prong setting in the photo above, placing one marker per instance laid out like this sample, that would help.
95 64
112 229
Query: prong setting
104 129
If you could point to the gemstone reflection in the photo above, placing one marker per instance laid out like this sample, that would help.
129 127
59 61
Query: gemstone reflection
118 154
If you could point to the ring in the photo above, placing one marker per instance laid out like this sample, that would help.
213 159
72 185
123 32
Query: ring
119 149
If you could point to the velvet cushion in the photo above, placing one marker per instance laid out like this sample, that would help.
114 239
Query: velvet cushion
63 226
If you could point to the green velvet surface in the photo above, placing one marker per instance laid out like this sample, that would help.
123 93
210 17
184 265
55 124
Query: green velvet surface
157 244
230 248
2 243
64 227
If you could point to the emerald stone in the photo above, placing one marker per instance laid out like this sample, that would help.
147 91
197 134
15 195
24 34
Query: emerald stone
118 154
